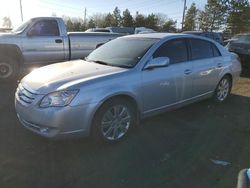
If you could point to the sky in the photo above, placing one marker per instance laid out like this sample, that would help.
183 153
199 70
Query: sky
75 8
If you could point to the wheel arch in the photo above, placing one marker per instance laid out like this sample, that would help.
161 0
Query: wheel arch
11 50
229 75
123 96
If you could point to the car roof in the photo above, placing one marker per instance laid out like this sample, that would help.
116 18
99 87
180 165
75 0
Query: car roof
198 32
155 35
161 36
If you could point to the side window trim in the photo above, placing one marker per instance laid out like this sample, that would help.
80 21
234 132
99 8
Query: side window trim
38 35
214 47
176 39
190 48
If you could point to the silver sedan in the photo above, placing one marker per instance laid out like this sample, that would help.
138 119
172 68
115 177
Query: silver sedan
123 81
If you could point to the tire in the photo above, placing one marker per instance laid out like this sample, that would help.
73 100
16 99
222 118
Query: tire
113 121
8 69
223 89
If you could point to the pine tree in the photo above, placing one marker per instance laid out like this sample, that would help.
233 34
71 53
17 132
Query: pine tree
213 17
169 26
238 16
151 21
190 18
109 21
127 19
91 23
139 20
117 17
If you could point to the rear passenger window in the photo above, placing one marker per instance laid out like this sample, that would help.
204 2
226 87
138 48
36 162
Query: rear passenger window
175 50
201 49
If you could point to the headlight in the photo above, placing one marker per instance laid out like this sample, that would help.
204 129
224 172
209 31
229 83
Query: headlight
58 98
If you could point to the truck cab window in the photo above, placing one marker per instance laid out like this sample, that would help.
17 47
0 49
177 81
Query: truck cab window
45 28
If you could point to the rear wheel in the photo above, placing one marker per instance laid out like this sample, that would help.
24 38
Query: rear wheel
223 89
113 120
8 69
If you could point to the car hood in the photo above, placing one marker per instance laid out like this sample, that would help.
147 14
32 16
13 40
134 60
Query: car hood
64 75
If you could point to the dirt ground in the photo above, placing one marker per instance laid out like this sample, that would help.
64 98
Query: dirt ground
170 150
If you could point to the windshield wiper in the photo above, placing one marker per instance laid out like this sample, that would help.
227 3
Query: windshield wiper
97 61
123 66
105 63
101 62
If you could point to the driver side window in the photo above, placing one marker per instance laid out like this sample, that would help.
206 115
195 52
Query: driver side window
175 50
45 28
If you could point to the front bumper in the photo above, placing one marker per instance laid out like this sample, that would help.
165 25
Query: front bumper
56 122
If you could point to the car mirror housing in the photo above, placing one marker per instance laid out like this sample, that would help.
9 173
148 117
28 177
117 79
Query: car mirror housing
157 62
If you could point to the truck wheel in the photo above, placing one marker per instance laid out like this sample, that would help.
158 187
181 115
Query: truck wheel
8 69
113 120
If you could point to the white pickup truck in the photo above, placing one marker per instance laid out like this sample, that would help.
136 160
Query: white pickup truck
45 40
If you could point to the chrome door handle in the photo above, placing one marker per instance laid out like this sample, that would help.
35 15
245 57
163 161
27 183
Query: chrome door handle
187 71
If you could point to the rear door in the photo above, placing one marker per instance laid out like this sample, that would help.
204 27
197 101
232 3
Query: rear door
43 43
207 64
165 86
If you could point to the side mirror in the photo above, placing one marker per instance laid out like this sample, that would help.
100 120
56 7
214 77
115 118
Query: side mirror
157 62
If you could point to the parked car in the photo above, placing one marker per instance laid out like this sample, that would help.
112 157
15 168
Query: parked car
99 30
122 30
212 35
123 81
42 41
140 30
241 46
236 37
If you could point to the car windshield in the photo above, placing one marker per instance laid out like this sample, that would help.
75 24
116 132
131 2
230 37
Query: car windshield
122 52
21 27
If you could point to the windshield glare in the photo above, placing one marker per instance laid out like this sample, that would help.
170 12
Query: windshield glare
123 52
21 27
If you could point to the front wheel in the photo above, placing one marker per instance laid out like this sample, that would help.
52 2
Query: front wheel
114 120
223 89
8 69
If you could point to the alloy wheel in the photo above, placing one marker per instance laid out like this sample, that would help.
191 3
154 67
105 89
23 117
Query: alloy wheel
115 122
223 89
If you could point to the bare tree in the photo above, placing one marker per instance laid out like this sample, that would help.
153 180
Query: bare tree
7 22
99 19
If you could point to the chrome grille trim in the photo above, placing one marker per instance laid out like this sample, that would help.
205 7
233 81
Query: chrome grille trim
24 95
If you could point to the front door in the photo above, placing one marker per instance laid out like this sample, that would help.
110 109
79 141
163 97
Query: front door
43 43
166 86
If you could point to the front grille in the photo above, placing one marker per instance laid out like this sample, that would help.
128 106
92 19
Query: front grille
24 95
